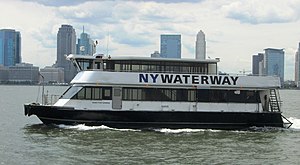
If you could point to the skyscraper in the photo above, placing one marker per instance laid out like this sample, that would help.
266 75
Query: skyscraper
10 47
170 46
274 63
297 67
200 46
66 44
257 63
85 44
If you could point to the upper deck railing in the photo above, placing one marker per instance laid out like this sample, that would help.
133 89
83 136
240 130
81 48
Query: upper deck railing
144 64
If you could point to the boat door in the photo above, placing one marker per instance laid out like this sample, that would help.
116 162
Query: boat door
117 98
192 97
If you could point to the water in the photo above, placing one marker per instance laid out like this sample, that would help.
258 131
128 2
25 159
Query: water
24 140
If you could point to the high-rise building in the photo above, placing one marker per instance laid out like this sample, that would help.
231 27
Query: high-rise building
257 61
155 54
170 46
297 67
274 63
66 44
10 47
85 45
200 46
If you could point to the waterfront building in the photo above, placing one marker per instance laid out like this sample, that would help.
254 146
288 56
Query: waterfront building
257 64
170 46
23 73
200 46
85 45
10 47
3 74
155 54
52 75
274 63
297 67
66 44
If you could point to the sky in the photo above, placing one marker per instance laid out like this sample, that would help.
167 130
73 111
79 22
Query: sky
234 29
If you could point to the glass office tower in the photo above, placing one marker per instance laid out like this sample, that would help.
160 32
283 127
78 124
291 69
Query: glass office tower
10 47
170 46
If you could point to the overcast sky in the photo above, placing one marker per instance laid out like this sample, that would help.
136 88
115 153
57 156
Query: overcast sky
234 29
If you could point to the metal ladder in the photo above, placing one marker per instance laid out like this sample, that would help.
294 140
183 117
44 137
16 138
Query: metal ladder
275 103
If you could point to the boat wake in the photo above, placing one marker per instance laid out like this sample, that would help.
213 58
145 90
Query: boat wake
296 123
82 127
185 130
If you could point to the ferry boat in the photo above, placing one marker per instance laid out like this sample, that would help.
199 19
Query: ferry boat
146 93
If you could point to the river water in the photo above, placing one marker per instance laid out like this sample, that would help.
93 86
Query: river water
24 140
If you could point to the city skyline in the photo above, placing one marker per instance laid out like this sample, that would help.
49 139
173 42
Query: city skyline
234 30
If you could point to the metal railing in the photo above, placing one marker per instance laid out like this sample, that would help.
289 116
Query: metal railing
50 99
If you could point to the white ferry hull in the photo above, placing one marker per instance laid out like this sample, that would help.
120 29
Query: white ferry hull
155 119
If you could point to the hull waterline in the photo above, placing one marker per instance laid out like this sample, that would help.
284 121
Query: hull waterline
157 119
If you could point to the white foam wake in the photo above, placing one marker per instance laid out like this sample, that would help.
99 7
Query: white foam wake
186 130
296 123
83 127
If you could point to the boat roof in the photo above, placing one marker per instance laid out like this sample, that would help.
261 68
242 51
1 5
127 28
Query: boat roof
131 58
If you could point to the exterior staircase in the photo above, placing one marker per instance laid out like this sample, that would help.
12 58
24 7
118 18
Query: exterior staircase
275 103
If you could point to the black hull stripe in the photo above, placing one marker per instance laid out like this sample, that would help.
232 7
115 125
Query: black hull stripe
155 119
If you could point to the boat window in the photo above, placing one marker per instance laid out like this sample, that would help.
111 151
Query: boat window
85 64
163 66
94 93
97 93
81 94
88 93
117 92
107 94
190 95
70 92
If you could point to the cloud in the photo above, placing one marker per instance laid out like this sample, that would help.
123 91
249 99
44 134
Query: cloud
262 12
57 3
176 1
132 35
89 12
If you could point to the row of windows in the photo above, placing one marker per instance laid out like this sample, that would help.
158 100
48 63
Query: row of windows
159 66
93 93
190 95
146 66
159 94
